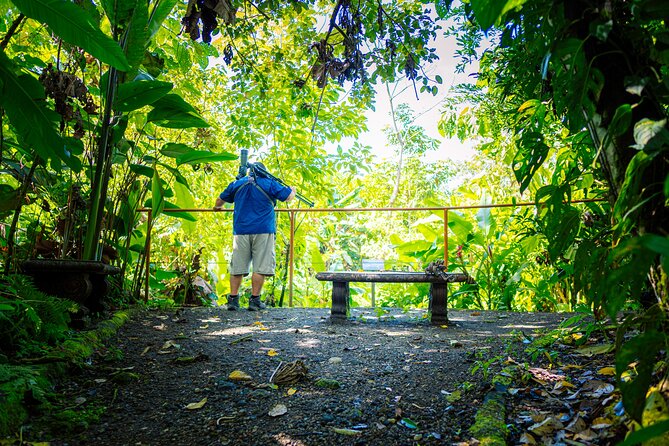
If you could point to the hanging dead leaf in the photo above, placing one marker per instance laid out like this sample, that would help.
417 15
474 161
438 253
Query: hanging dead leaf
238 375
199 405
278 410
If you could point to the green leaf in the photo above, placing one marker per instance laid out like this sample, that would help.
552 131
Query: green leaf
172 111
157 196
159 14
645 132
133 95
621 120
647 433
174 102
75 26
141 169
138 34
9 197
23 100
640 351
167 205
198 156
175 150
532 151
487 12
118 11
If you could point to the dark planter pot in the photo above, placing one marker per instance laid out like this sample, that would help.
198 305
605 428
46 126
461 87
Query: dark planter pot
82 281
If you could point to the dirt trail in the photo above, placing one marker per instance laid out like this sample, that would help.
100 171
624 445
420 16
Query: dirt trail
393 380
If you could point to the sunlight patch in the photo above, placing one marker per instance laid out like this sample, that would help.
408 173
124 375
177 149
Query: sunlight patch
232 331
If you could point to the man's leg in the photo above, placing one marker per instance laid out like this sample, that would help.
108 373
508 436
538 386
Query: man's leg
239 267
233 297
257 281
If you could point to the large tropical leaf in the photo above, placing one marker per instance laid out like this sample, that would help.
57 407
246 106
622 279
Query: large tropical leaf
157 194
23 100
118 11
173 112
199 156
133 95
175 150
138 35
75 26
159 14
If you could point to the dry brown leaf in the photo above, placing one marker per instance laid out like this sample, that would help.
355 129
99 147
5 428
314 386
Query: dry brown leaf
546 427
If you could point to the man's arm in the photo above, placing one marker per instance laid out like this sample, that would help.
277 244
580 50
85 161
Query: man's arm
292 193
219 204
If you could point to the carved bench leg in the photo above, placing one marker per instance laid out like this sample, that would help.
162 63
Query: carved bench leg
340 298
438 300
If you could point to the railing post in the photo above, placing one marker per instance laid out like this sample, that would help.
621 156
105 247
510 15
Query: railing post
147 254
291 257
446 239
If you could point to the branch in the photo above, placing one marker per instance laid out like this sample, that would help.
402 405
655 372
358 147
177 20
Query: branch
12 29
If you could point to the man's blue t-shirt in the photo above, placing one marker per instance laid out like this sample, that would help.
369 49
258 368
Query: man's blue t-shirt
254 211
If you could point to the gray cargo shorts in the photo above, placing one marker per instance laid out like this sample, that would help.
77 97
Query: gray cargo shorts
256 248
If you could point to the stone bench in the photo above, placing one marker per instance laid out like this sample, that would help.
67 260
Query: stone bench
438 289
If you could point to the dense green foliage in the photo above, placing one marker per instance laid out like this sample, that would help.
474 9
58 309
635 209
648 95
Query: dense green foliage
112 106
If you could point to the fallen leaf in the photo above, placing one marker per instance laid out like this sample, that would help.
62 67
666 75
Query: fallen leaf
260 325
344 431
586 435
204 327
291 391
527 438
278 410
601 423
100 380
238 375
198 405
456 344
607 371
453 397
476 313
406 422
596 388
145 351
546 427
272 352
334 360
170 344
593 350
160 327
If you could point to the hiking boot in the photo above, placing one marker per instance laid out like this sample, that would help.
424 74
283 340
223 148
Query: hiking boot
233 303
255 304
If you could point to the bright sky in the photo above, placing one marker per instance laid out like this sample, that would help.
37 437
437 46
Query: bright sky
427 108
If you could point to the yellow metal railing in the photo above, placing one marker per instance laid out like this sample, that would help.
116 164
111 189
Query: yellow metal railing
293 212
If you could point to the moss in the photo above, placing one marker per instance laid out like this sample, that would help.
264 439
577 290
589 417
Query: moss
74 420
24 386
490 426
20 388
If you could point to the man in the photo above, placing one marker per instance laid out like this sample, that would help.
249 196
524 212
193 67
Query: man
254 231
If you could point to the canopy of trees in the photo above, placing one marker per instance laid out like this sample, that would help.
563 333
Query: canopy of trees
109 106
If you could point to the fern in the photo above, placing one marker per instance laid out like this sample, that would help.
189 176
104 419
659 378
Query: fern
29 316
